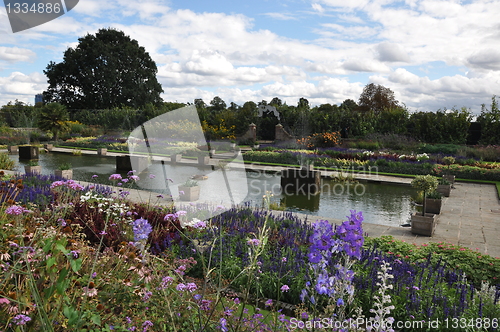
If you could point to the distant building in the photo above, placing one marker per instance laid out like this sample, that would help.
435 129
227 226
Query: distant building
38 98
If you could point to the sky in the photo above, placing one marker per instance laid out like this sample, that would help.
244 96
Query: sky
433 54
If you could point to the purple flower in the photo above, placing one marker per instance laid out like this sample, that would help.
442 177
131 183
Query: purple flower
21 319
141 228
340 302
253 242
15 210
285 288
94 176
269 303
114 177
223 325
152 176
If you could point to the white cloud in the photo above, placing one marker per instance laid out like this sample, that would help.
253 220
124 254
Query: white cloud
487 59
388 52
21 86
441 9
281 16
365 65
208 62
16 54
347 5
317 7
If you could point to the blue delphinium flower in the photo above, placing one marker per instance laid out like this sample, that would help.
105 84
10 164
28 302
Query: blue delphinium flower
141 228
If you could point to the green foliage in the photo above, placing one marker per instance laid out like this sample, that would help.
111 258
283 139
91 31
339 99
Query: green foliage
105 70
443 126
426 183
490 123
377 99
5 162
439 148
477 267
54 118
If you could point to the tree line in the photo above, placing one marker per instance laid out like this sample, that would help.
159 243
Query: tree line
301 120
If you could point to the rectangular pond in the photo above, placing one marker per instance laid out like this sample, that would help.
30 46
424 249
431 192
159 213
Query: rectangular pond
381 203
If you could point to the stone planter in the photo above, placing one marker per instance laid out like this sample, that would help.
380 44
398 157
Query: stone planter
12 149
175 158
29 152
102 151
189 193
423 225
444 189
33 169
48 147
232 145
450 178
64 173
433 205
203 160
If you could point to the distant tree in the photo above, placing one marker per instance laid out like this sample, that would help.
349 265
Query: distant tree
376 98
217 105
348 105
303 104
104 71
490 123
276 102
54 118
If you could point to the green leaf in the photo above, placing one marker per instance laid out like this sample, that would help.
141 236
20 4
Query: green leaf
76 264
62 282
50 262
96 319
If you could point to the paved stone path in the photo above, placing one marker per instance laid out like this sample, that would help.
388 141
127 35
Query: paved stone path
470 217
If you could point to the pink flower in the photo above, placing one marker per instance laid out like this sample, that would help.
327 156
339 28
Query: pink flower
115 177
14 210
134 177
285 288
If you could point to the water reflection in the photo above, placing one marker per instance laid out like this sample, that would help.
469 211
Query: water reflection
385 204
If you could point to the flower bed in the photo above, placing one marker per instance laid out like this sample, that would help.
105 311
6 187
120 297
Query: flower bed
88 261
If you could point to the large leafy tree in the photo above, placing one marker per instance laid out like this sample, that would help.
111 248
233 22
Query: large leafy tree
376 98
104 71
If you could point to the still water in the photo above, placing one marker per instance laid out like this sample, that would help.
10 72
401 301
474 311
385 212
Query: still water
385 204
